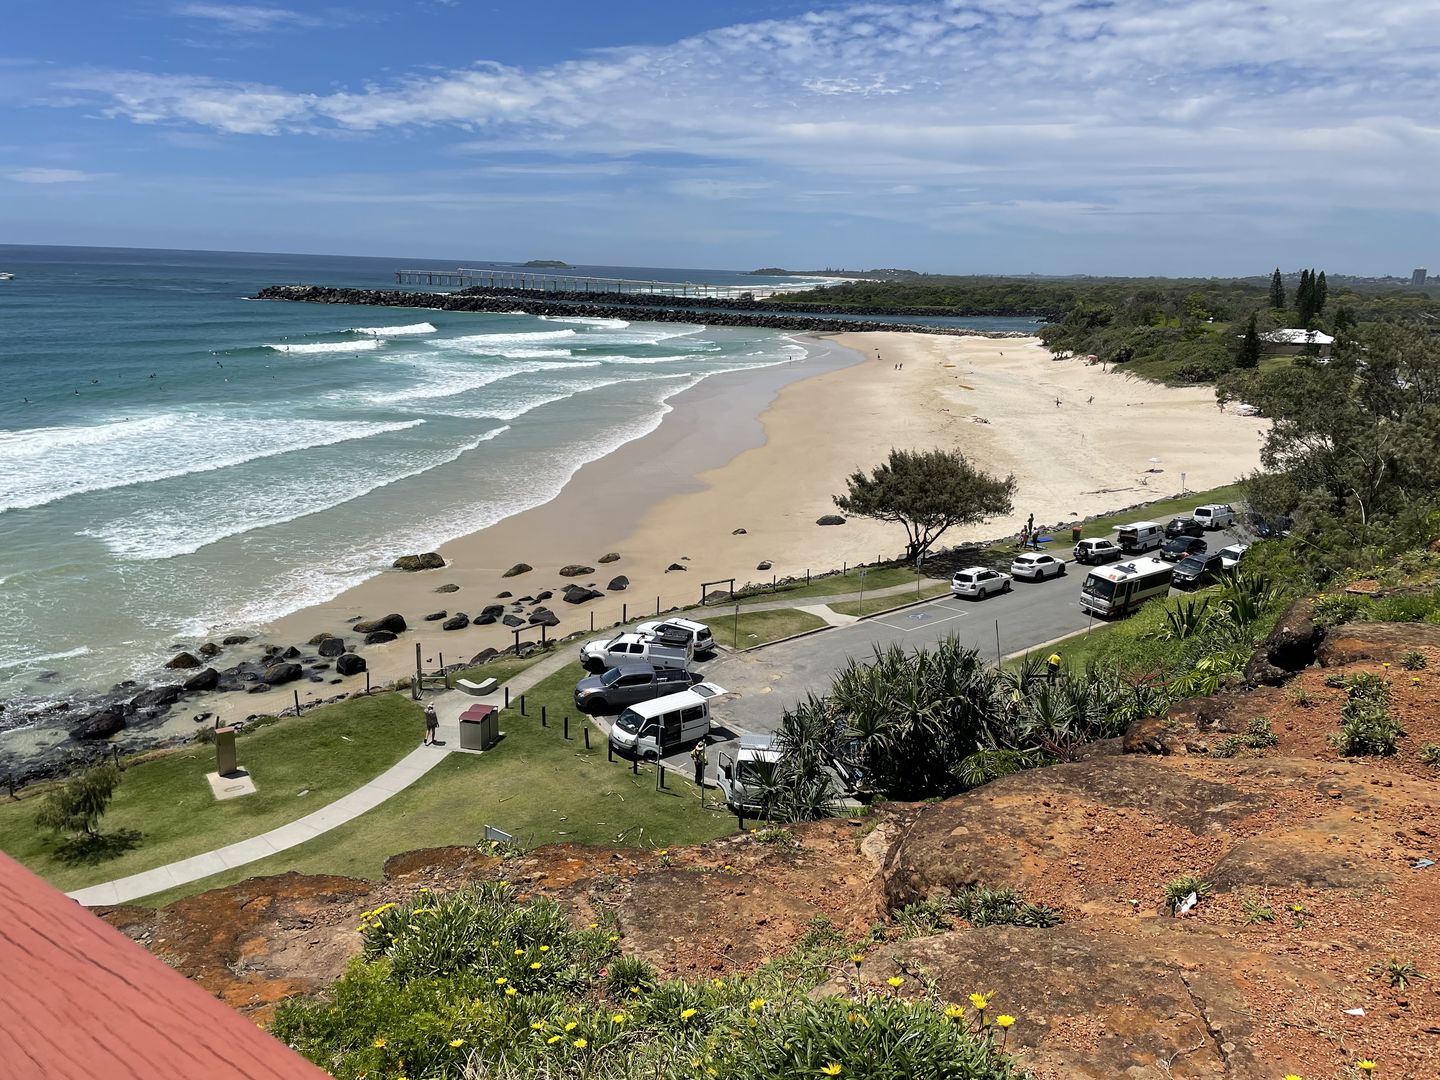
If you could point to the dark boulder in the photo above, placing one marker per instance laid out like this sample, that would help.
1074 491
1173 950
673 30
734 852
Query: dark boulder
525 600
610 556
100 725
324 635
379 637
1292 643
182 661
544 617
448 588
576 570
209 649
619 583
332 647
484 656
764 564
428 561
436 616
737 532
391 624
292 653
486 620
675 566
503 595
458 621
830 519
518 569
493 610
278 674
545 595
513 620
204 679
579 594
157 697
235 639
349 664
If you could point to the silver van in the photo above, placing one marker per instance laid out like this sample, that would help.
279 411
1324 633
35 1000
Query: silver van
654 729
1140 536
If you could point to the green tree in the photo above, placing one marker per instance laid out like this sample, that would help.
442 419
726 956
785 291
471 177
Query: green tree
928 492
1321 289
77 806
1277 290
1248 356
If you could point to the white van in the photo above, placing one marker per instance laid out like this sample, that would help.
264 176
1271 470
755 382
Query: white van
1140 536
1121 588
653 729
600 656
1215 515
747 776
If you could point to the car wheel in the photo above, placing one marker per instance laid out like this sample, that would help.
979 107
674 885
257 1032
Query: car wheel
1060 572
1005 587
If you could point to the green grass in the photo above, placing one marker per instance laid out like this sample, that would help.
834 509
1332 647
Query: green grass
1164 510
872 604
839 584
325 753
534 785
758 627
502 671
1080 650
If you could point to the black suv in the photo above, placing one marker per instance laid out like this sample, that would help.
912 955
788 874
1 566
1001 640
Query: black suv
1183 526
1195 570
1179 547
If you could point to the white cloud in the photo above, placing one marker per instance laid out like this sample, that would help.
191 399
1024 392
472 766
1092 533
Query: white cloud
245 18
41 175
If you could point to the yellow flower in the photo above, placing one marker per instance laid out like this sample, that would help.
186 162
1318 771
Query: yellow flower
455 1044
896 981
686 1014
571 1026
954 1012
519 952
858 958
1293 1076
544 948
379 1043
501 981
580 1044
756 1004
594 926
1385 664
535 965
494 941
537 1025
833 1069
1365 1064
717 983
552 1040
664 851
980 1001
618 1018
613 937
510 991
1004 1020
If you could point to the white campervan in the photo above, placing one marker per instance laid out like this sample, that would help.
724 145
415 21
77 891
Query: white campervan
1121 588
1140 536
634 649
1215 515
653 729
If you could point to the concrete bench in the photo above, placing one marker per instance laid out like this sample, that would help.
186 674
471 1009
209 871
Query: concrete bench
479 689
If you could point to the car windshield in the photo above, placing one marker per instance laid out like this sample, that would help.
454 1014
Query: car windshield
1098 586
608 679
629 722
1192 565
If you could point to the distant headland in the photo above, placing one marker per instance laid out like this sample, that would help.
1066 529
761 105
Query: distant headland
548 264
888 274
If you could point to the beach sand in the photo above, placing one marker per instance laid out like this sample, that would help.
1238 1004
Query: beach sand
711 467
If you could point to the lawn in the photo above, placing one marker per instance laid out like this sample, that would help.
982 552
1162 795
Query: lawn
299 765
872 604
1079 650
758 627
839 584
534 785
1164 510
502 671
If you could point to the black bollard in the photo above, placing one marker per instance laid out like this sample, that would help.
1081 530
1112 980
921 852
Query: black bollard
567 725
740 813
544 722
522 704
635 765
659 776
609 750
587 736
507 697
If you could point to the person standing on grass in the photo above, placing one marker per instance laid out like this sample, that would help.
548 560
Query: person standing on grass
1052 667
697 755
432 725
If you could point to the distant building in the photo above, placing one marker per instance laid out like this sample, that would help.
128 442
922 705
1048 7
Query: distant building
1293 342
1418 276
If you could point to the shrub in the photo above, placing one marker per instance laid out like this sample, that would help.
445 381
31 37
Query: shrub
980 906
1257 910
1430 754
627 974
77 805
1228 747
1413 660
1366 728
776 836
1260 736
1398 973
1178 890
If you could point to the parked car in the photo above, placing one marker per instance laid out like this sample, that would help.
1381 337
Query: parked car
1182 547
626 684
1230 556
977 582
1195 570
1036 566
1183 526
633 649
680 632
1215 515
1140 536
1266 528
1097 552
653 729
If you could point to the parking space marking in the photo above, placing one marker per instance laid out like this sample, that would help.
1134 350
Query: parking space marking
924 620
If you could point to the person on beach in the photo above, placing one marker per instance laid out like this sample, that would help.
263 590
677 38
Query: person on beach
432 725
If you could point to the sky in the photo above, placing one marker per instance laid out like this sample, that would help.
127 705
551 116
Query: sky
1179 137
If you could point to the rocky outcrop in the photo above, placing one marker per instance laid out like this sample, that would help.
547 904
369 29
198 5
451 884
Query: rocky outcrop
183 661
518 569
618 583
544 617
1352 643
576 570
205 679
676 566
349 664
1290 647
512 620
430 560
764 564
157 698
436 616
380 637
580 594
235 639
458 621
100 724
209 650
830 519
448 589
279 674
390 624
331 647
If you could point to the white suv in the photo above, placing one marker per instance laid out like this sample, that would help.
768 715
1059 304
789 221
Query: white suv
1036 566
1215 515
977 582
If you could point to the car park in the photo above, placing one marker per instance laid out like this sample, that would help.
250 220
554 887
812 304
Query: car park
1215 515
1036 566
678 631
1196 570
626 684
1230 556
1181 547
978 582
1097 551
1183 526
1140 536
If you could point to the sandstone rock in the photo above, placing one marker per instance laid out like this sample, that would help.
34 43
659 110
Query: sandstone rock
349 664
235 639
1292 643
544 617
430 560
324 635
448 588
484 656
1353 642
737 532
436 616
209 649
518 569
619 583
609 557
100 725
764 564
332 647
279 674
513 620
458 621
157 697
576 570
204 679
379 637
182 660
392 624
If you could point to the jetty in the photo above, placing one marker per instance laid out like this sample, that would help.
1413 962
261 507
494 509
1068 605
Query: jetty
465 277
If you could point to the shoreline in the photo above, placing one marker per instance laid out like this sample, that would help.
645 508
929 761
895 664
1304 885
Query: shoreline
764 451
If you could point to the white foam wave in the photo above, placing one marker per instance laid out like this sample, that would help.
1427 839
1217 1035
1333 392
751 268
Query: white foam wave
393 331
327 346
621 358
612 324
548 396
44 465
528 337
45 658
160 534
446 379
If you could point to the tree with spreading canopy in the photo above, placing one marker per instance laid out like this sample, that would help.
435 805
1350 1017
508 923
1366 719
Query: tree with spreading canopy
928 492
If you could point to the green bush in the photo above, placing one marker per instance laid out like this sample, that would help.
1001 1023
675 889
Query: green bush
1366 728
1414 660
980 906
1430 754
1178 890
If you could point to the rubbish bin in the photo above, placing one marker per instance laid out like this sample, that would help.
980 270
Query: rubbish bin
477 727
1074 534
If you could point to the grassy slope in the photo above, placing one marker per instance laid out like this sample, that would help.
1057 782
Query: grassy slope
839 584
871 604
534 785
326 753
758 627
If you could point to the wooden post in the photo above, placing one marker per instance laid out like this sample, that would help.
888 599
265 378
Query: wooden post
624 613
418 669
367 680
657 607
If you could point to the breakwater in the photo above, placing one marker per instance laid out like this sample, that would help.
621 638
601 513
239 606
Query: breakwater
530 302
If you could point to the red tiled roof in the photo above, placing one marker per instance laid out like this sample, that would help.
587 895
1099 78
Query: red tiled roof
83 1002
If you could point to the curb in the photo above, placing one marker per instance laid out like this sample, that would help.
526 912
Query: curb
1047 644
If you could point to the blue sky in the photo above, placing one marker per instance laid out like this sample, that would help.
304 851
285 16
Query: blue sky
1129 136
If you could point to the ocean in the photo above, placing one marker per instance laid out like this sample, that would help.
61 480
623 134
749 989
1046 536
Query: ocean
177 461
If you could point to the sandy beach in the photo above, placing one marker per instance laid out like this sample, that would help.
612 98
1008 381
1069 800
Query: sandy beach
765 451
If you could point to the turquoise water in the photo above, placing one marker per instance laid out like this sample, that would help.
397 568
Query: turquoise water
176 460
